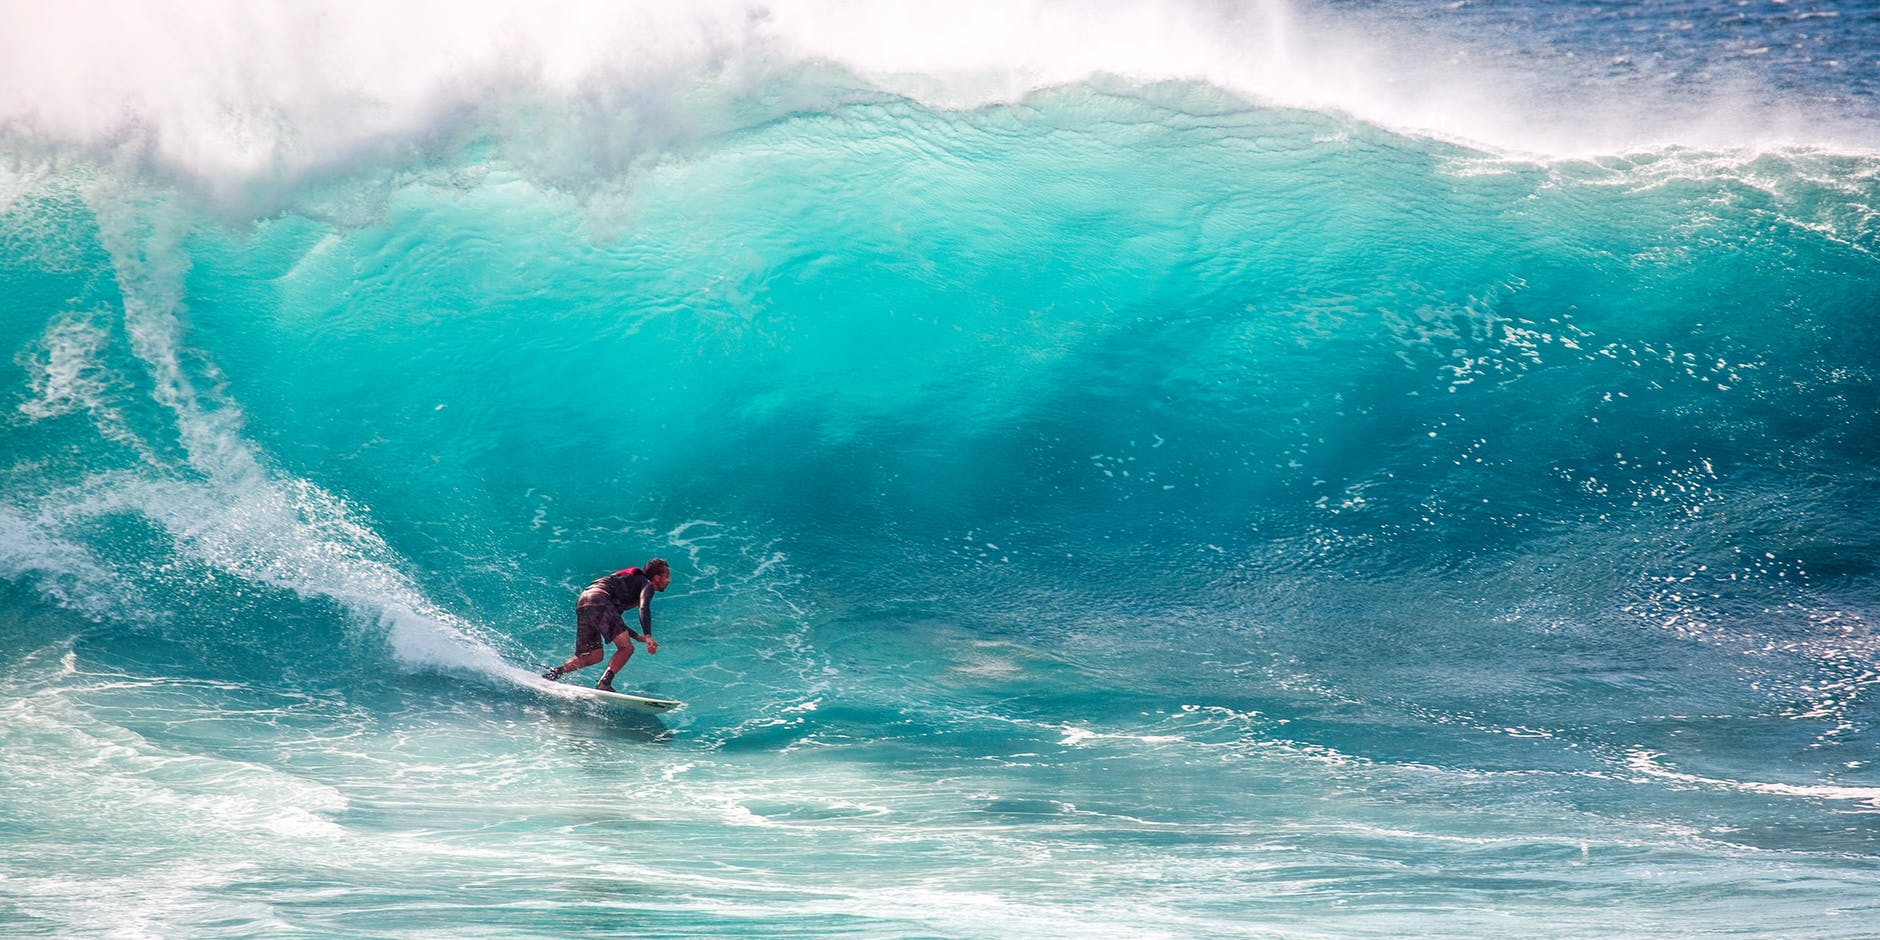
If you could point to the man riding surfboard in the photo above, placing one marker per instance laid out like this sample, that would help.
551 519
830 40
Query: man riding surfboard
597 616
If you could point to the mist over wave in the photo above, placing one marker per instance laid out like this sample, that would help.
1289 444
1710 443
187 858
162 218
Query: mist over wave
248 101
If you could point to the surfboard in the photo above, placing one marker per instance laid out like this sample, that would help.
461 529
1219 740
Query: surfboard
624 700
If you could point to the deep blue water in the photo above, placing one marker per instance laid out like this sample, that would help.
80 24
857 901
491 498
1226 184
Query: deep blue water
1318 470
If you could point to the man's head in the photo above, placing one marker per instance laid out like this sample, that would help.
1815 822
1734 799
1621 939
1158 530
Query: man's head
659 572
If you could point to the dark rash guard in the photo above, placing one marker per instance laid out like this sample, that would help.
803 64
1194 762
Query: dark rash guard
623 590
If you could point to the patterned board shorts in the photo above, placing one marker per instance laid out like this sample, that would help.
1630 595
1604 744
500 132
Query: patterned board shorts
596 625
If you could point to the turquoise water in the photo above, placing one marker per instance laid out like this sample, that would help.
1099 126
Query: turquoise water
1144 505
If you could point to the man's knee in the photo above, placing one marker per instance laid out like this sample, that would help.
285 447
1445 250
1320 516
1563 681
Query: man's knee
589 657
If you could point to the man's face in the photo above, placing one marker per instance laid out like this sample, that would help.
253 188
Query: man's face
661 580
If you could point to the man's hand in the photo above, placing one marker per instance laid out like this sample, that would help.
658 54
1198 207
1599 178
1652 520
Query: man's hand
651 645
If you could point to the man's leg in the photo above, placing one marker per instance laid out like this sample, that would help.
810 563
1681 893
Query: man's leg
588 646
577 661
623 651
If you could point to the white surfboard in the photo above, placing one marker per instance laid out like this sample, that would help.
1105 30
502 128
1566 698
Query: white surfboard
622 699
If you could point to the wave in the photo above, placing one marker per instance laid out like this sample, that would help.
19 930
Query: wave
1648 764
249 105
1315 379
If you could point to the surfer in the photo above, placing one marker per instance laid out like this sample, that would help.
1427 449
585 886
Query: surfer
598 622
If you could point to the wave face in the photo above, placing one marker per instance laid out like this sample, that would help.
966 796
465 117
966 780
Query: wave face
1105 498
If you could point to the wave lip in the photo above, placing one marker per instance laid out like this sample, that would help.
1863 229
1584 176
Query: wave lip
241 99
1648 763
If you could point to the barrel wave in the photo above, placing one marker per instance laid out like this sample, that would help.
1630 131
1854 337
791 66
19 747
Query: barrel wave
1131 509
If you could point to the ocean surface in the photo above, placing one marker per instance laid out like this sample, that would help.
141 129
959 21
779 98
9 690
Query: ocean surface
1309 469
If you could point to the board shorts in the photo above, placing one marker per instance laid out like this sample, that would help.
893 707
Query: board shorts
596 621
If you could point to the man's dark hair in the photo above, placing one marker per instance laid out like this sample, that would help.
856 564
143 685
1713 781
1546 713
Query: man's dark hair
657 567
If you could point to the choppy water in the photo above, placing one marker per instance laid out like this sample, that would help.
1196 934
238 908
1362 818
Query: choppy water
1321 470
